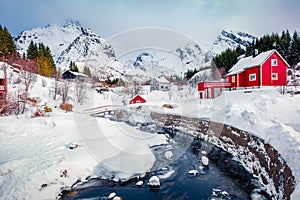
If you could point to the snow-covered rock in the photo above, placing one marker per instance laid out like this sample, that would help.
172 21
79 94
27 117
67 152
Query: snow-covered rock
193 172
204 160
112 195
139 183
154 181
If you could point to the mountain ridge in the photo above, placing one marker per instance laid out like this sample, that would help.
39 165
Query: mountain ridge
70 41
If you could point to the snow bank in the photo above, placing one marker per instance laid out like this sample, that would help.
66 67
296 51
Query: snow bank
36 160
262 112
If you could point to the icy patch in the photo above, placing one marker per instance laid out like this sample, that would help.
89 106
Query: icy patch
166 175
169 155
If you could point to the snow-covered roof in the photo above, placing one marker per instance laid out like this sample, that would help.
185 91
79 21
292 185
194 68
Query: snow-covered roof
78 74
250 61
162 80
142 96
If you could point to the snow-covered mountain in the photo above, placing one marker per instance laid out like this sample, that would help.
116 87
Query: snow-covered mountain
229 39
69 41
191 56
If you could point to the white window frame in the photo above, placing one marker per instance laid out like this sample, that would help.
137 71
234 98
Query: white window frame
233 79
250 77
274 62
274 78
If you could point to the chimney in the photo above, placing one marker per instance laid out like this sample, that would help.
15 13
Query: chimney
254 52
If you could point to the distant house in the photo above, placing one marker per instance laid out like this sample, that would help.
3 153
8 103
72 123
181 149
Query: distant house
74 75
2 86
161 84
210 90
137 99
265 69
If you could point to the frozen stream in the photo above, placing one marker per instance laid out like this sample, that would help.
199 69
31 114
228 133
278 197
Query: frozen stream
223 179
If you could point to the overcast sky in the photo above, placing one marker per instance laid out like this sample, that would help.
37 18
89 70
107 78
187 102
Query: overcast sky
201 20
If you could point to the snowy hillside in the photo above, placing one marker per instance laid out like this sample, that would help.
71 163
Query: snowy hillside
229 39
69 41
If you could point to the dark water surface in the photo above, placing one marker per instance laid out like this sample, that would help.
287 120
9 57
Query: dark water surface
223 179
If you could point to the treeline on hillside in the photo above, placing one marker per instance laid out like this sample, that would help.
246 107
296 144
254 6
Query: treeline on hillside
42 55
287 46
7 45
38 55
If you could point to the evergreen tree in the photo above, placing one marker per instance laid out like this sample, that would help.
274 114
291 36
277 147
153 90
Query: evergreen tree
42 55
227 59
294 52
73 67
86 71
7 45
32 51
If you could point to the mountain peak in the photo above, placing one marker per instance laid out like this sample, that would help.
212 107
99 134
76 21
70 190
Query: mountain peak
70 22
230 39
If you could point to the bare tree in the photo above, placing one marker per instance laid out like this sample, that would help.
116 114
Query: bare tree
56 82
27 77
135 87
80 91
65 90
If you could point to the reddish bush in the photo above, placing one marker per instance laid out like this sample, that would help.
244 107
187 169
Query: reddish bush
66 106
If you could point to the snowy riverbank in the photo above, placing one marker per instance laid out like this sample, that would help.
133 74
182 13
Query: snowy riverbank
262 112
37 161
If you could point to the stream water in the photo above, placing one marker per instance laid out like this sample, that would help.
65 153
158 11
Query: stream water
224 178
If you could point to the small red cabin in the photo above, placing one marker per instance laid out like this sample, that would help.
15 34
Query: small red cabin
210 90
265 69
137 99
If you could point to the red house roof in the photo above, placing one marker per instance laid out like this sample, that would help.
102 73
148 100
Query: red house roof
137 99
251 61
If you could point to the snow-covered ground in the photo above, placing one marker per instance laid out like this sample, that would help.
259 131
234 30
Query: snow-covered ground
36 160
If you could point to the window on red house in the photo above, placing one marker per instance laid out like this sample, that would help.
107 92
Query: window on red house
274 62
252 77
274 76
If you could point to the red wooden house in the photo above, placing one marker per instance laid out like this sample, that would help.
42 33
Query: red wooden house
137 99
265 69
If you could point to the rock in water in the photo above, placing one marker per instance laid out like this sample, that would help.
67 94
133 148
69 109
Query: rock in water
204 160
139 183
112 195
154 181
193 172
